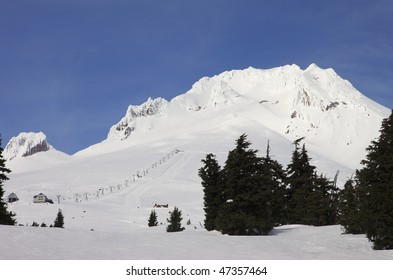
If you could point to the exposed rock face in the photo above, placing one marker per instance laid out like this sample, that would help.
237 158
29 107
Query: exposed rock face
141 116
26 144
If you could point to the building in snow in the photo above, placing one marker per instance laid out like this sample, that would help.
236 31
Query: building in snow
12 197
41 198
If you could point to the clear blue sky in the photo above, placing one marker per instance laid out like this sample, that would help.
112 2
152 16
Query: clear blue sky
70 68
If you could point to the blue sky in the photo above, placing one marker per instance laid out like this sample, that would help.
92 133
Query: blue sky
70 68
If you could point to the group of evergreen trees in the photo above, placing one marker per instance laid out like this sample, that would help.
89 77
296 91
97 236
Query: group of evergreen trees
251 194
366 202
174 221
59 221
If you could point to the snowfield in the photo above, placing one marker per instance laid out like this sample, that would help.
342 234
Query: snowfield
292 242
152 156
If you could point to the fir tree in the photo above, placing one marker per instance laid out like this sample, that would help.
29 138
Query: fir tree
6 218
153 219
350 208
273 179
59 221
376 182
246 208
323 202
300 179
210 175
175 221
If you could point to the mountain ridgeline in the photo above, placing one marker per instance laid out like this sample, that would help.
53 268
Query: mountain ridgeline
313 103
285 101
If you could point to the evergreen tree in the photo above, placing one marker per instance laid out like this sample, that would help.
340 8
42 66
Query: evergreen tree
300 179
59 221
153 219
6 218
350 208
210 175
376 182
175 221
246 208
323 202
273 179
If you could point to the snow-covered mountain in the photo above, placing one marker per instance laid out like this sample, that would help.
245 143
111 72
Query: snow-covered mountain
31 151
26 144
336 120
152 156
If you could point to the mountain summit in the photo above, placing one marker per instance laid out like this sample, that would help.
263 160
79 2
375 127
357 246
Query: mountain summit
26 144
315 103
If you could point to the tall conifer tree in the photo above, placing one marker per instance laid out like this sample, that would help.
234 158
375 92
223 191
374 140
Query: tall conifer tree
6 217
212 189
300 179
273 180
246 208
323 202
376 182
350 208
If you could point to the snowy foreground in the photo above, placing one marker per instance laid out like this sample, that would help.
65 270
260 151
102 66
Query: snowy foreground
111 223
286 242
114 225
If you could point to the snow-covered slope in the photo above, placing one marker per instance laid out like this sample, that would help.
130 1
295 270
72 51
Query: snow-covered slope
337 121
31 151
153 155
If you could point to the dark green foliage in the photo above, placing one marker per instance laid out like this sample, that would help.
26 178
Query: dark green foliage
34 224
273 179
252 194
6 218
213 199
246 208
376 182
152 222
175 221
323 202
59 221
300 178
312 198
350 208
43 225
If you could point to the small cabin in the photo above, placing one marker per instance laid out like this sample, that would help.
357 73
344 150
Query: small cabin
40 198
12 198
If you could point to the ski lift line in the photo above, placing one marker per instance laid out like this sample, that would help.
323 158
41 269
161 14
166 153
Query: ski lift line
100 192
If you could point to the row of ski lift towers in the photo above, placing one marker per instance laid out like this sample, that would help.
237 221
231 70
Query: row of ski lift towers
133 178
